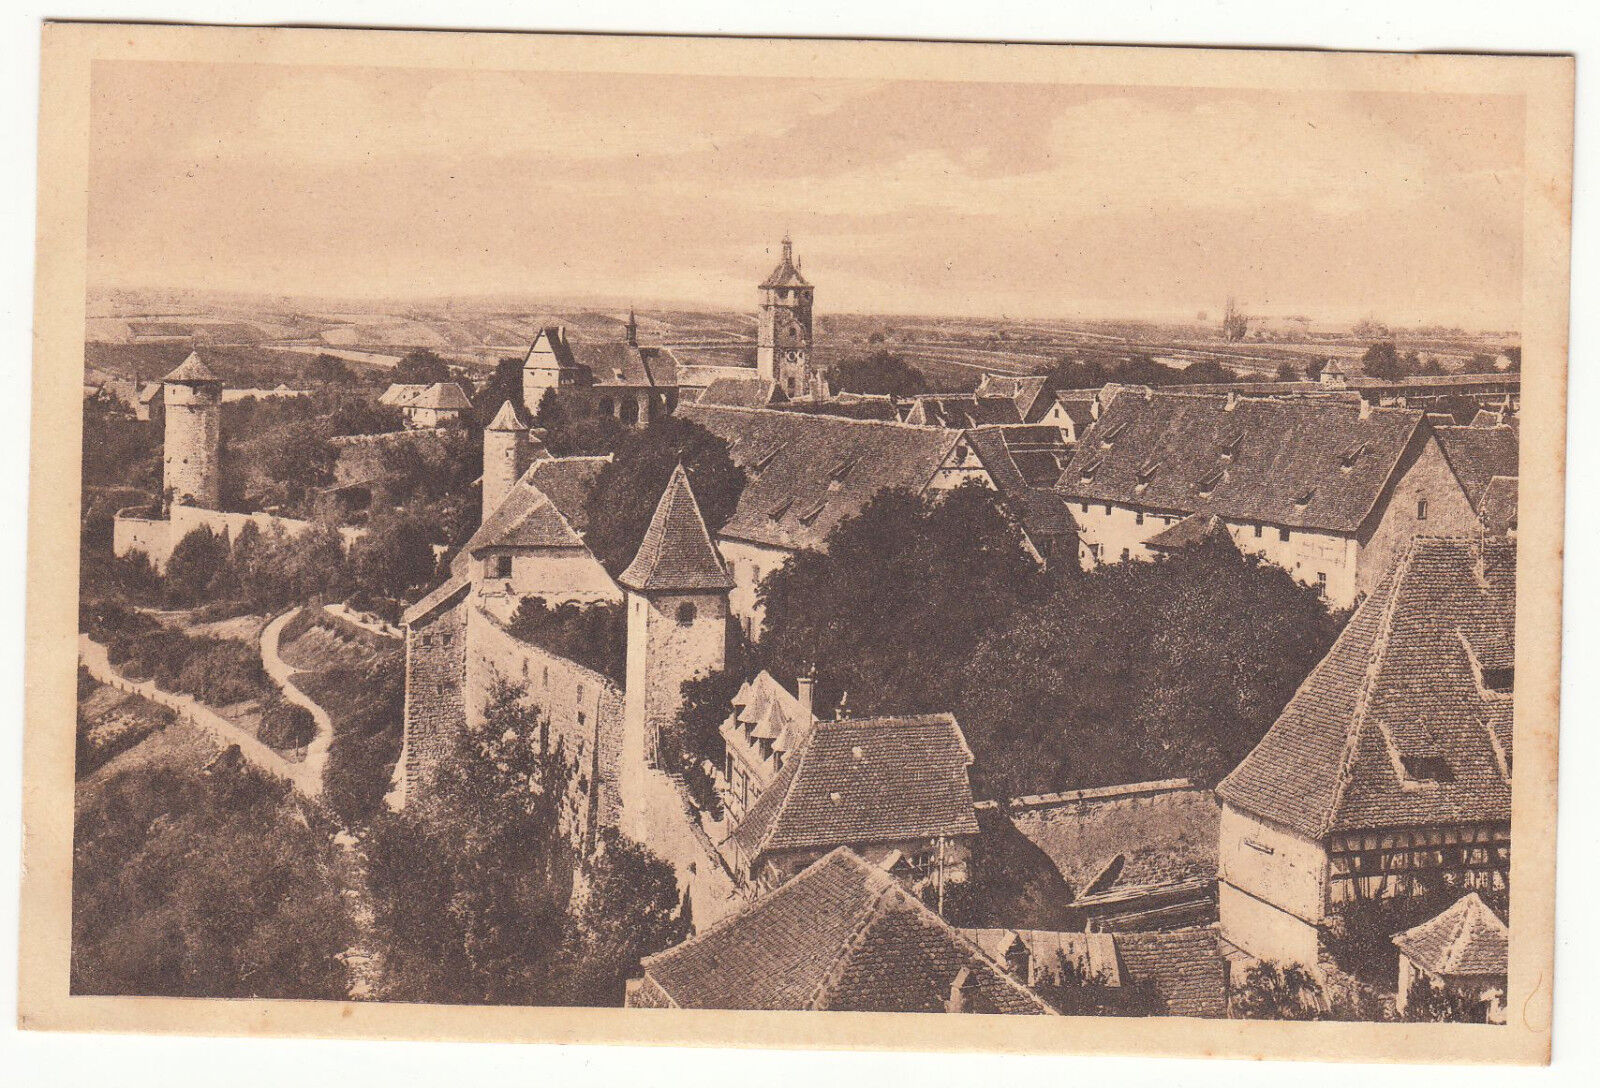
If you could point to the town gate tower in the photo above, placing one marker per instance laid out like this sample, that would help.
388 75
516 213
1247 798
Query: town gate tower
783 332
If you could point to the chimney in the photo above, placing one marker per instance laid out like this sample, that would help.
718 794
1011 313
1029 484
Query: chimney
805 691
1232 402
1366 408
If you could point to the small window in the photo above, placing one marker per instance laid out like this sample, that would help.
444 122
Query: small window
580 693
1085 507
686 613
1138 519
1427 769
1261 846
1283 535
500 566
1124 555
1322 583
1258 532
1422 509
1108 509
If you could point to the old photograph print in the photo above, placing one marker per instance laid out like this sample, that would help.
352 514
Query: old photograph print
715 540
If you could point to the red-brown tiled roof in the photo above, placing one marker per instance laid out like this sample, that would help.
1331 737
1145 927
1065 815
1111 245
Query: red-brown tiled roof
1183 966
443 395
1189 532
961 410
861 781
841 935
1479 454
741 392
1467 940
676 554
1025 390
1303 464
1396 726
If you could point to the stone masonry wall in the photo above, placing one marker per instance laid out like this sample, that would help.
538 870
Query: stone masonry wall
435 710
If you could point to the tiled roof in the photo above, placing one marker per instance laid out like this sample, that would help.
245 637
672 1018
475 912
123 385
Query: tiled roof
1079 407
1479 454
442 395
191 370
1467 940
399 395
771 713
1301 464
676 553
1396 726
841 935
701 375
1024 390
961 410
542 510
609 362
441 594
1192 530
867 780
740 392
506 419
807 473
1042 511
1183 966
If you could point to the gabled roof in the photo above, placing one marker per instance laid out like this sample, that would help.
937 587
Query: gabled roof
441 395
771 713
399 395
1079 407
807 473
1467 940
543 509
1189 532
860 781
441 595
786 274
1184 967
607 362
1477 455
191 370
841 935
1498 507
676 554
961 410
1398 726
1041 511
1024 390
740 392
1301 464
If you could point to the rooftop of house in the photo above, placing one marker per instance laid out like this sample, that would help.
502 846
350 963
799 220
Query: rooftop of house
1302 464
1407 722
1479 454
961 410
605 362
1191 531
770 713
701 375
841 935
1466 940
676 554
749 391
399 394
507 419
806 473
1498 507
787 273
440 596
191 370
861 781
544 509
444 396
1139 835
1025 390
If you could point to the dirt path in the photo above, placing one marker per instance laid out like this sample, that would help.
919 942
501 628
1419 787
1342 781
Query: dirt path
282 674
305 777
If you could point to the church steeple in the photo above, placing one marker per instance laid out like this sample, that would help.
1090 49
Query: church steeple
633 328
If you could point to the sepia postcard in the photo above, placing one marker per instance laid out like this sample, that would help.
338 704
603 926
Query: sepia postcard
796 543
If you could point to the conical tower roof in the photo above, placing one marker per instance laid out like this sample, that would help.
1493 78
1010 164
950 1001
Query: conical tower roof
506 419
676 555
786 274
191 370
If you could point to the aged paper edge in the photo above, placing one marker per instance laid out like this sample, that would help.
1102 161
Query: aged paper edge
69 50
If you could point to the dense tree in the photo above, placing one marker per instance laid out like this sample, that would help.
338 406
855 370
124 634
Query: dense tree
1480 363
396 555
626 908
505 384
1287 372
568 434
210 884
420 367
626 491
323 368
1381 360
1514 355
893 609
1271 991
1139 671
293 460
287 725
1207 372
879 372
119 451
196 564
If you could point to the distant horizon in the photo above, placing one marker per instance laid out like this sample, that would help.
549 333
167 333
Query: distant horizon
1020 201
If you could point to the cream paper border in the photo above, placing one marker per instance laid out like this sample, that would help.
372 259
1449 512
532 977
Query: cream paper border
68 51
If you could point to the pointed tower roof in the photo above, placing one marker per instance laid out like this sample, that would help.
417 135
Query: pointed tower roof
676 554
506 419
786 274
191 370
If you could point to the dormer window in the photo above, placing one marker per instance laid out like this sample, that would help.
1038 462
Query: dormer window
781 508
811 515
1427 769
1147 472
1303 500
1348 459
1500 680
1209 484
1111 435
1230 448
766 458
499 566
842 469
1086 474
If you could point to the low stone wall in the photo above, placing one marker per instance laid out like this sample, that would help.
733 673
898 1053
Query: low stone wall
156 537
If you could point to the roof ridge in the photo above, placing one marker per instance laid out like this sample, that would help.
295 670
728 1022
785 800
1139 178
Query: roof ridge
1375 656
858 934
928 916
823 417
798 763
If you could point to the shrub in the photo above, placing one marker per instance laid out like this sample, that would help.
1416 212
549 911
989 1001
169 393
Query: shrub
287 726
595 636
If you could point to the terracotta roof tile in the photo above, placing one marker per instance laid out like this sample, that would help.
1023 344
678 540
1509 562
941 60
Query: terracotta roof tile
676 553
1467 940
841 935
1183 966
1479 454
1396 727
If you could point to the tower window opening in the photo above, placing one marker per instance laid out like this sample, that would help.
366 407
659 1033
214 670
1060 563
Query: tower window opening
686 613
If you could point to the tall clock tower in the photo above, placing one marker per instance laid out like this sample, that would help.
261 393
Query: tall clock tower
783 337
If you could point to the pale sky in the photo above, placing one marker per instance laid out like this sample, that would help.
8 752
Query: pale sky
1023 200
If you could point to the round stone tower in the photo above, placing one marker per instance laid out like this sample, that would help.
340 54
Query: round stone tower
192 469
507 453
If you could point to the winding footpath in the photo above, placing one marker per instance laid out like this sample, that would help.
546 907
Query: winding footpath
305 777
282 674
